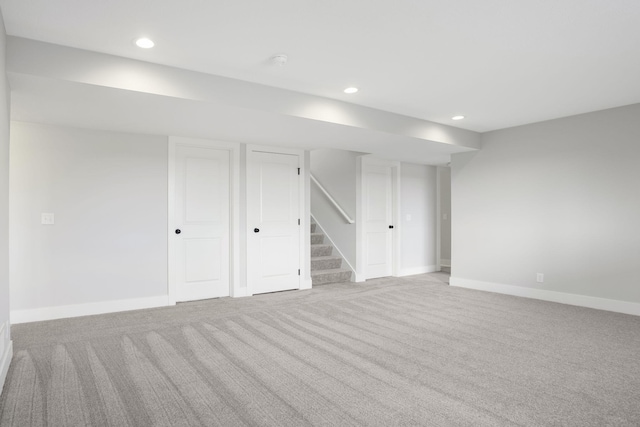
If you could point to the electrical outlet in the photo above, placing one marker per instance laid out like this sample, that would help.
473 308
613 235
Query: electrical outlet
47 219
539 277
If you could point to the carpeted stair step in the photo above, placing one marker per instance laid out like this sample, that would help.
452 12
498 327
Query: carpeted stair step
324 277
325 267
325 262
321 250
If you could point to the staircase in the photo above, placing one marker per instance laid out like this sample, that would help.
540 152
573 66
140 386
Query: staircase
325 267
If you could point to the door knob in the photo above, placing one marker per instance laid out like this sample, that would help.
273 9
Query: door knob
256 230
391 226
178 231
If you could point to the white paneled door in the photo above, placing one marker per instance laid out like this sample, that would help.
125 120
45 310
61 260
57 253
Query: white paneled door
378 220
273 220
201 223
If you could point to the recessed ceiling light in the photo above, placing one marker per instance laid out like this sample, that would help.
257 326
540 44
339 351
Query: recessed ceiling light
145 43
457 117
351 90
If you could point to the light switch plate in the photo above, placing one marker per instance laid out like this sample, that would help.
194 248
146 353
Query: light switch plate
47 219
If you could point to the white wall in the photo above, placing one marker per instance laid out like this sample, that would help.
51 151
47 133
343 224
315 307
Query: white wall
418 185
444 181
108 192
336 171
560 197
5 335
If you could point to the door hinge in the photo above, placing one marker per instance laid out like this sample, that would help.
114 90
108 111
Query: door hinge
298 171
298 221
298 272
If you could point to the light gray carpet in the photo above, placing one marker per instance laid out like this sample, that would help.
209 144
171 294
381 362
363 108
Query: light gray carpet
388 352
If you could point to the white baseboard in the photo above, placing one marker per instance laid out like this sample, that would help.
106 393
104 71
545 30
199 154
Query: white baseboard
240 293
5 361
418 270
553 296
305 284
63 311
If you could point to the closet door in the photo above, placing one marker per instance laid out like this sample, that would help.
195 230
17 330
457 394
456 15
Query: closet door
378 220
202 224
273 219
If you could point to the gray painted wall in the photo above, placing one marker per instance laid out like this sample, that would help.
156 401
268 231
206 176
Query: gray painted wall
445 214
560 197
418 185
4 206
108 192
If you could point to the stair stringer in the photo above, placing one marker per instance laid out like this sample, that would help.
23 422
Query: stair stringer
344 259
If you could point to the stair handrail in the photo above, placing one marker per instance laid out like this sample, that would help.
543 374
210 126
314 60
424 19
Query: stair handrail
332 200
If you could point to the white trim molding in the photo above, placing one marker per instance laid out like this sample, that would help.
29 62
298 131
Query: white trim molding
88 309
241 292
5 361
438 220
412 271
6 353
553 296
305 284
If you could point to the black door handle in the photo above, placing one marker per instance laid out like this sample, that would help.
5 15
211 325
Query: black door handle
391 226
256 230
178 231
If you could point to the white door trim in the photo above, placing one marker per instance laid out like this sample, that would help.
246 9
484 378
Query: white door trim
234 205
305 239
438 219
396 259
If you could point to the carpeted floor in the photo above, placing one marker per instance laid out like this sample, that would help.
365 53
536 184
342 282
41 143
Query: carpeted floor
388 352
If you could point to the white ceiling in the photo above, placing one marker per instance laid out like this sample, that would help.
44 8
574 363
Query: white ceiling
501 63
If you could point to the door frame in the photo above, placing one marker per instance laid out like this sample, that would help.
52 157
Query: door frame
438 219
303 208
234 207
361 162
